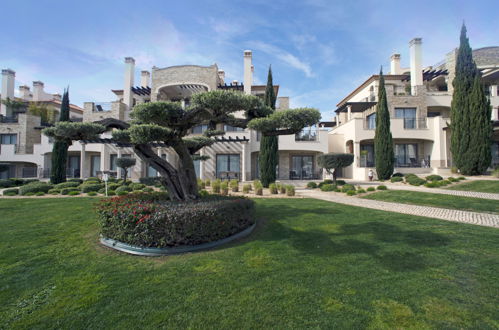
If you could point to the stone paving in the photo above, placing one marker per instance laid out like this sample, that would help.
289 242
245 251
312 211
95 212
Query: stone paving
476 218
462 193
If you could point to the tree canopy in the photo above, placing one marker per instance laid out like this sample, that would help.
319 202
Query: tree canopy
332 162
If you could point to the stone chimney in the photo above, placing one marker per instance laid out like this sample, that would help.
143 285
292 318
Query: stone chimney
145 77
416 64
129 81
395 64
8 79
221 76
235 82
24 93
248 72
38 92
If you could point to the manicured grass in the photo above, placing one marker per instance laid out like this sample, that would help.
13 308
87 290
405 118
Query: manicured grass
438 200
488 186
310 264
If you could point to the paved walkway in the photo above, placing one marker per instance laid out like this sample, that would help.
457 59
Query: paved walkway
476 218
462 193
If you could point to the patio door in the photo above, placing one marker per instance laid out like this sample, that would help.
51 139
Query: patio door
406 155
73 170
228 166
94 165
302 168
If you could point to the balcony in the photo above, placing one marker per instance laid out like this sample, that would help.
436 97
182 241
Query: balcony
307 135
9 119
406 123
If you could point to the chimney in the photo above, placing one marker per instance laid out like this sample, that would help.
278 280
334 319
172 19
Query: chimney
221 76
248 72
57 97
416 64
395 64
129 80
8 79
38 92
145 76
235 82
24 93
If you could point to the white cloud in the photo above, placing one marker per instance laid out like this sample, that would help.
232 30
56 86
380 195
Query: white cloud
284 56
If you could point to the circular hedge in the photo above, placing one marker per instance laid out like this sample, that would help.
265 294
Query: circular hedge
151 220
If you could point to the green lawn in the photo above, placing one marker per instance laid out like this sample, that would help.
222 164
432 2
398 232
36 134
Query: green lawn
310 263
488 186
438 200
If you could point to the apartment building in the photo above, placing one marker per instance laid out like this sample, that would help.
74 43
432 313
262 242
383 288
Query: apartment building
234 155
419 100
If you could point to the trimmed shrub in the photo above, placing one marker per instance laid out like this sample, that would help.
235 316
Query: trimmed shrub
224 188
327 181
215 187
137 186
66 191
396 179
201 184
397 174
341 182
147 189
203 193
452 179
273 188
381 187
347 187
371 189
149 181
92 178
137 192
446 182
54 191
432 184
415 180
111 193
246 188
234 185
258 189
90 187
328 187
434 177
66 185
144 222
35 187
120 189
92 193
461 178
351 193
5 183
282 188
75 180
73 193
122 193
40 193
290 190
207 182
312 185
361 191
11 192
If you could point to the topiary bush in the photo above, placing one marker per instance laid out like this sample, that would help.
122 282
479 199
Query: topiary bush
415 180
328 187
246 188
371 189
80 181
152 222
347 187
341 182
234 185
397 174
11 192
203 193
35 187
312 185
92 179
351 193
150 181
273 188
122 193
361 191
120 189
460 178
68 184
6 183
382 187
396 179
40 193
434 177
111 193
54 191
452 179
73 193
327 181
137 186
148 189
92 193
432 184
88 187
66 191
290 190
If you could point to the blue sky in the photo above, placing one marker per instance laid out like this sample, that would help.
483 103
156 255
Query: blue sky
319 50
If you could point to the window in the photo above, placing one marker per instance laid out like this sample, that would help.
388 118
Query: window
406 155
197 167
302 168
112 162
228 166
199 129
258 135
8 138
151 171
409 116
307 134
73 169
229 128
371 121
367 155
94 165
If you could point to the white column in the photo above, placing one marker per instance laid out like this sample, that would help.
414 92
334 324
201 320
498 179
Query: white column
128 84
395 64
201 165
356 154
8 79
82 161
103 158
248 72
493 90
416 64
243 162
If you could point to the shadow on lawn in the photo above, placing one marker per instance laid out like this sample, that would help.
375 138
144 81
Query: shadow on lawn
389 244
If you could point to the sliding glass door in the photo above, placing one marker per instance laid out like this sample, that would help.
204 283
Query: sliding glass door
406 155
228 166
302 168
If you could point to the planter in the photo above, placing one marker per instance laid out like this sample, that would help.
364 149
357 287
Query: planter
155 252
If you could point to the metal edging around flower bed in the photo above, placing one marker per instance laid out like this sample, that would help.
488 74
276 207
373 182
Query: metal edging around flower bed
155 252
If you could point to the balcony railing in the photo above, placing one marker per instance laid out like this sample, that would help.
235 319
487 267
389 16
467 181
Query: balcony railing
9 119
409 123
307 135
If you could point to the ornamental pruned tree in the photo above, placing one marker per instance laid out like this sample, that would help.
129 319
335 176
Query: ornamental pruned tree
332 163
60 147
125 163
169 124
470 125
383 142
269 144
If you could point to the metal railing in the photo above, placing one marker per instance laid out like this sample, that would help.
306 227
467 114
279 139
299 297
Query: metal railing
409 123
9 119
307 135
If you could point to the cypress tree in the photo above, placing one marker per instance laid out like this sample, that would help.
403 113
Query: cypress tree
269 145
471 128
60 148
383 142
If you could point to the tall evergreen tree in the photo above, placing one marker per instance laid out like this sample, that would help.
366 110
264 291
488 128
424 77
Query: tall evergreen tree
60 148
383 142
470 114
269 145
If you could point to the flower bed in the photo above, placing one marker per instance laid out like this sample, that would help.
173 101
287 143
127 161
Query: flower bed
149 220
